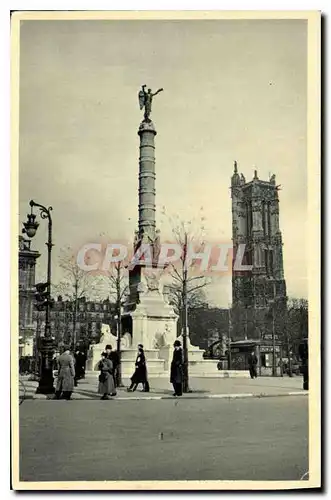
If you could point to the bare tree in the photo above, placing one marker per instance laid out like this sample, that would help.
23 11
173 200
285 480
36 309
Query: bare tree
187 287
297 321
295 327
196 297
117 281
75 285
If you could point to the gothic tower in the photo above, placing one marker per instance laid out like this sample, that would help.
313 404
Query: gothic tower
258 294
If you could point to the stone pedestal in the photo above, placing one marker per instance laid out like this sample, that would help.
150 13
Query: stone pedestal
95 351
197 365
154 322
154 326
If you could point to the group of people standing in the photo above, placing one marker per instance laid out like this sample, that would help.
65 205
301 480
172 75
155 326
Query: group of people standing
68 373
108 372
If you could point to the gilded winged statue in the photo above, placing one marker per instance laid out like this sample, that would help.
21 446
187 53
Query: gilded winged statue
145 101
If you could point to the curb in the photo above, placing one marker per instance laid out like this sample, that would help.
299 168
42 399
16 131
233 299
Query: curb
42 397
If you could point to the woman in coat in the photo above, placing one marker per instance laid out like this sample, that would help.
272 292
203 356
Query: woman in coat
106 379
176 372
140 374
66 375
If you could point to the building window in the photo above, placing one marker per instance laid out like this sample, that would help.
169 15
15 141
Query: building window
249 219
269 264
268 219
264 225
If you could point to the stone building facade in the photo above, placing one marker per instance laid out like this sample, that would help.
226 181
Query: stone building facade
89 318
259 299
26 282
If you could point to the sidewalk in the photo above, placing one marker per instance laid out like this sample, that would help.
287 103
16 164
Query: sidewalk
202 388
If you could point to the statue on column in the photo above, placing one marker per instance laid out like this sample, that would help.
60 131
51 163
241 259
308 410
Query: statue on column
145 101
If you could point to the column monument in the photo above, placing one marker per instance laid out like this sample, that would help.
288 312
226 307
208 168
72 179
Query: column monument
147 317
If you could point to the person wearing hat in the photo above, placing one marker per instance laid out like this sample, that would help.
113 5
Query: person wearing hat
176 370
106 379
66 375
252 364
140 374
113 356
80 360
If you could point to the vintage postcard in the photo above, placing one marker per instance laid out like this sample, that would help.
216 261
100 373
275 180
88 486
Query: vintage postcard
165 250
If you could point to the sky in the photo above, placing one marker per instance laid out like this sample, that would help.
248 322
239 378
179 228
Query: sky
233 90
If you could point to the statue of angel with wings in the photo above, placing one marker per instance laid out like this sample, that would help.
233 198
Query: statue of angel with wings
145 101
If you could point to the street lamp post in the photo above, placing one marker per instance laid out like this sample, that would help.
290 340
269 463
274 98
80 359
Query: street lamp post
290 363
229 339
246 321
46 380
118 348
288 347
274 369
185 322
118 319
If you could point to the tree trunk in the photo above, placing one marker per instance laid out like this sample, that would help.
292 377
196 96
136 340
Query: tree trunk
74 317
119 326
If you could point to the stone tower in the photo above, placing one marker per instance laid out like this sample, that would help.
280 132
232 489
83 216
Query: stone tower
147 233
27 268
259 294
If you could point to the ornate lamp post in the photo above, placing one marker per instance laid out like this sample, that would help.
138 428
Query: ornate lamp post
46 380
117 318
186 386
229 338
274 367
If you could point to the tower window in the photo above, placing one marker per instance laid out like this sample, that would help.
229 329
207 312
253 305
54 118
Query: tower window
269 264
269 218
249 219
266 224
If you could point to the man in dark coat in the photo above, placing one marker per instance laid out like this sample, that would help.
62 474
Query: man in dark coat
252 363
176 371
304 368
113 356
140 374
80 361
66 375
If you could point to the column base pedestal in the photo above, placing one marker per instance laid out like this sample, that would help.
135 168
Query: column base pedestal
46 383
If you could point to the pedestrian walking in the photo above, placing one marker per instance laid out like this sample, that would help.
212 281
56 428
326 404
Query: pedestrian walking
252 364
80 361
140 374
176 371
66 375
304 368
106 379
113 356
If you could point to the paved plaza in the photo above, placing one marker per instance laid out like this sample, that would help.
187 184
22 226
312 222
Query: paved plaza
201 388
183 439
